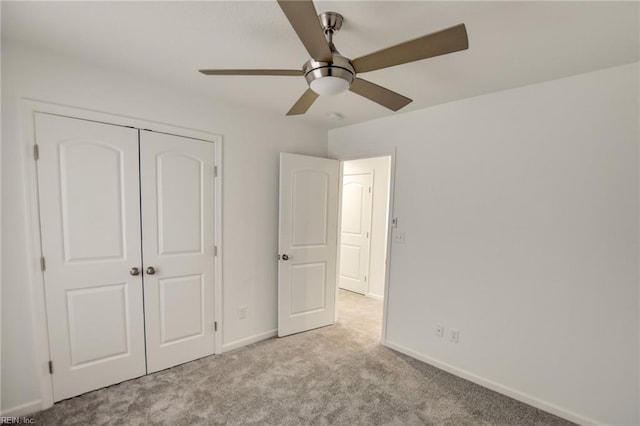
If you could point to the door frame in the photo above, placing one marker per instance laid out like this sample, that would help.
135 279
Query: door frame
387 273
28 108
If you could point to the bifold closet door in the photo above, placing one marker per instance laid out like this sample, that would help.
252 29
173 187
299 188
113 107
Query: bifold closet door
177 183
90 225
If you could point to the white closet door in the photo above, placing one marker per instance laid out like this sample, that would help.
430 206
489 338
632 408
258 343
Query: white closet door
90 219
307 242
177 181
356 227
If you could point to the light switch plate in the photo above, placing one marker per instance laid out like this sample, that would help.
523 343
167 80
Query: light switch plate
242 312
398 237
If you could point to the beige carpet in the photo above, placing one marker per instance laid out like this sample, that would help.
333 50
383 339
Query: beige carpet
334 375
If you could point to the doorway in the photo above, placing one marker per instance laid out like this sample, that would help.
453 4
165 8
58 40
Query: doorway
362 251
310 236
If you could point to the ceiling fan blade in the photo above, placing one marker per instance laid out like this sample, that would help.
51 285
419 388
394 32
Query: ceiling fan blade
439 43
303 104
252 72
385 97
304 19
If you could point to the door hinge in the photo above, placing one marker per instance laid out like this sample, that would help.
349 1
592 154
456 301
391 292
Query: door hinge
50 367
36 152
43 265
215 171
369 190
367 235
365 278
215 251
215 326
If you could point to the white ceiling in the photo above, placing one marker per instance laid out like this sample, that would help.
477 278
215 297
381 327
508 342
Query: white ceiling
511 44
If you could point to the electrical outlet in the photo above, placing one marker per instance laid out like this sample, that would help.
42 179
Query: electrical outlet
454 335
242 312
439 330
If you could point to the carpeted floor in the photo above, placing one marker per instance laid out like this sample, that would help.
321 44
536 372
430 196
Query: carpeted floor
337 375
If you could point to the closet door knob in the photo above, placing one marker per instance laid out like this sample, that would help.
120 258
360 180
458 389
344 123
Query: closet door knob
134 271
151 270
285 257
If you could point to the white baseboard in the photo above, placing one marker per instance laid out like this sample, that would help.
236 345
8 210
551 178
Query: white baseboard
505 390
23 409
375 296
226 347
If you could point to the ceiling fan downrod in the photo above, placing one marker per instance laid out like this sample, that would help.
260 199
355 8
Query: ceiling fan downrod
331 22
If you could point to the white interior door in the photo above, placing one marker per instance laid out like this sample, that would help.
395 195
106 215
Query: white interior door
355 231
177 181
90 225
307 242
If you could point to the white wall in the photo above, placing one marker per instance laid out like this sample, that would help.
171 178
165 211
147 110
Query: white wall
380 167
521 216
252 141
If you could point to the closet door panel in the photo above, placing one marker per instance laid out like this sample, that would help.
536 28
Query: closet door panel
90 226
177 182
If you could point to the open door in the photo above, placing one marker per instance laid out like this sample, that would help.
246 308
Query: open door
307 242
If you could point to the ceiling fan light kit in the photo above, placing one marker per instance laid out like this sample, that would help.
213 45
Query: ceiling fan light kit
330 85
330 73
329 78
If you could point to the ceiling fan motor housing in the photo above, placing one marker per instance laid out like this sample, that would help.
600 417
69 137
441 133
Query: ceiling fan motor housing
339 68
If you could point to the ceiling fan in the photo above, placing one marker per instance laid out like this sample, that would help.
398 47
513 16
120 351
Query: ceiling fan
328 72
